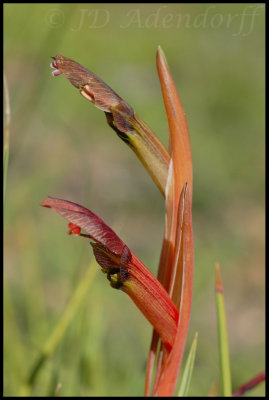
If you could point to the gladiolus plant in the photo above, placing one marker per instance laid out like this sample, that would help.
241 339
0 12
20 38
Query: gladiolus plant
164 300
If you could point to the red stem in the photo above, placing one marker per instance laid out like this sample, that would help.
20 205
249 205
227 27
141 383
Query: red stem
249 385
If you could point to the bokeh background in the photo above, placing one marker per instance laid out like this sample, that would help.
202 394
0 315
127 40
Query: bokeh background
60 145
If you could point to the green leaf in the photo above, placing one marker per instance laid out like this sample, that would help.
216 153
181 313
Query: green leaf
187 374
55 338
6 134
223 338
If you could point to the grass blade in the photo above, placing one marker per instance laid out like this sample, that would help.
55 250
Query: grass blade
60 329
6 134
187 374
223 338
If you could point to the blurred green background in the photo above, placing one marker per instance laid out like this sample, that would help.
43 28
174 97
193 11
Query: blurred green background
61 146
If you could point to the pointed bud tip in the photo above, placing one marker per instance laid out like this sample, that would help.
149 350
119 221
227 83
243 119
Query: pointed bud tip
46 202
43 204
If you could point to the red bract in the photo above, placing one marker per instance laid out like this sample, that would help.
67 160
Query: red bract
122 268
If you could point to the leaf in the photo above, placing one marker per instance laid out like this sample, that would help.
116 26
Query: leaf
60 329
6 135
187 374
171 367
170 271
179 134
223 338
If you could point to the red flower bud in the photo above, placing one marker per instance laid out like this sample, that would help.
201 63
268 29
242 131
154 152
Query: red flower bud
122 268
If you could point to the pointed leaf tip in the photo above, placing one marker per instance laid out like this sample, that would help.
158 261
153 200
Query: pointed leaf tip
219 287
160 53
179 134
187 374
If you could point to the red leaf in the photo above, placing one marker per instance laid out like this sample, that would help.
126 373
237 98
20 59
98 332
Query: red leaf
171 265
171 366
179 134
